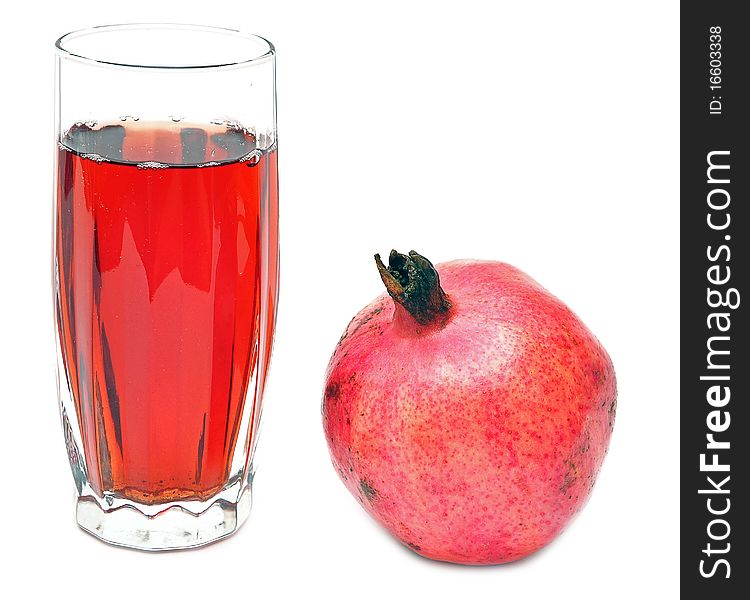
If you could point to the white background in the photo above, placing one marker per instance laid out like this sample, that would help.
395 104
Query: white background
544 134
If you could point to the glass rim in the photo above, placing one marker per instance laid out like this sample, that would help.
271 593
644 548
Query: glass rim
64 52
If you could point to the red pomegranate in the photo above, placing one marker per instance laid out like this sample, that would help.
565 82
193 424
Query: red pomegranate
470 422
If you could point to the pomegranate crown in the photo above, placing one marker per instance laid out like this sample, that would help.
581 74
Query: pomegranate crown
413 282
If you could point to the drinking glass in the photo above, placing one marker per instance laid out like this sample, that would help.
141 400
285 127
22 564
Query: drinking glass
165 275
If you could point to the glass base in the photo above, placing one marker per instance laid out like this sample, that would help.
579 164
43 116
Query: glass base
173 527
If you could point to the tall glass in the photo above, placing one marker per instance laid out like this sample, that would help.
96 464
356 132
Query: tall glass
165 275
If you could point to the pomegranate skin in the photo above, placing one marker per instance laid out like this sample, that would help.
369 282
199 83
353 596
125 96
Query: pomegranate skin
474 440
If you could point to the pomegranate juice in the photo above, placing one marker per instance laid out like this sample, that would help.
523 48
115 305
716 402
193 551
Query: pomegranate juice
165 233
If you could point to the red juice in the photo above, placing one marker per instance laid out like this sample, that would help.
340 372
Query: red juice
166 234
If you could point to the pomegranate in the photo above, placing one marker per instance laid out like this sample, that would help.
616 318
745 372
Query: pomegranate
470 422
